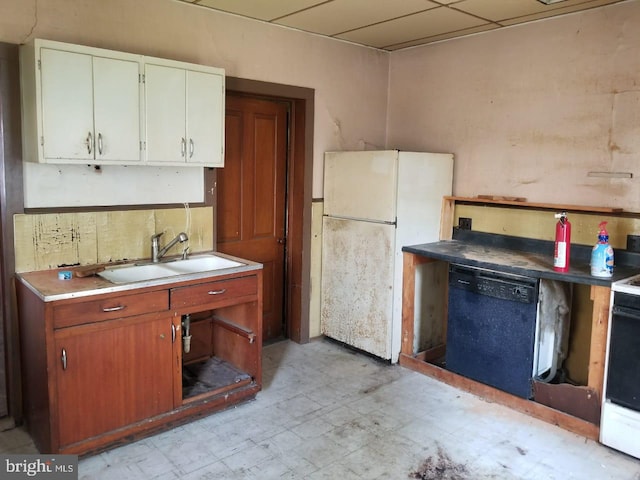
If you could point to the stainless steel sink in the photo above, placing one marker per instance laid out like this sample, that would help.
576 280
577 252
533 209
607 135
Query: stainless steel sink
153 271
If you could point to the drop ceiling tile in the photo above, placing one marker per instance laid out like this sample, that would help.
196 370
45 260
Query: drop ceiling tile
495 10
260 9
343 15
444 36
420 25
560 10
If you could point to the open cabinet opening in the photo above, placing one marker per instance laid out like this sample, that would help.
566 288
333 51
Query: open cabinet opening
218 354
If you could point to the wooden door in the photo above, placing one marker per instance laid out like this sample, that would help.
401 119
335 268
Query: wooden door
252 194
113 374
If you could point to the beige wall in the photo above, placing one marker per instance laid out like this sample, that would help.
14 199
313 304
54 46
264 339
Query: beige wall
530 110
350 82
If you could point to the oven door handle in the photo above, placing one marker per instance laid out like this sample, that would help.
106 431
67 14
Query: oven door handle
626 312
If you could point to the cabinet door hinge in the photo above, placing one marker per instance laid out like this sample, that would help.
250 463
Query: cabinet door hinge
42 141
39 64
143 146
141 77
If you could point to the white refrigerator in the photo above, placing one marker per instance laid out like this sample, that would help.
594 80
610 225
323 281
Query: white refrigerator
375 202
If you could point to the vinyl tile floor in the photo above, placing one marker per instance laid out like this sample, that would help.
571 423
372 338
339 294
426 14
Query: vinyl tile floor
327 412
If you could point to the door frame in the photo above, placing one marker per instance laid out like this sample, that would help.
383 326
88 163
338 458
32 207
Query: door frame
299 196
11 202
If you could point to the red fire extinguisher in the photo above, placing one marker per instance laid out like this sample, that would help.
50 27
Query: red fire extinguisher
563 243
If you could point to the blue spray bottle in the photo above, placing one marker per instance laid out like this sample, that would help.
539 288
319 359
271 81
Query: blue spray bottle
602 254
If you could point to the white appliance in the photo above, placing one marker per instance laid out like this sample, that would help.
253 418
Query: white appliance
375 202
620 419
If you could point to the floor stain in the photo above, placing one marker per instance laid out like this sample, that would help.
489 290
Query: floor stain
440 468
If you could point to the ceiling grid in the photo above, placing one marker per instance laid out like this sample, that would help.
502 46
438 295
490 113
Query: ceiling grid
394 25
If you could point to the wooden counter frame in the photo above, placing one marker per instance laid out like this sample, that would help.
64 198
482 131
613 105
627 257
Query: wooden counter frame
416 360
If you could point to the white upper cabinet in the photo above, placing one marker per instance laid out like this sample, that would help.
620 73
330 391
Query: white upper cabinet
87 105
184 114
80 105
116 109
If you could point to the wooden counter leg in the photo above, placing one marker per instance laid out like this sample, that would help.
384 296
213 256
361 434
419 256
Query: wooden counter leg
408 302
601 298
409 263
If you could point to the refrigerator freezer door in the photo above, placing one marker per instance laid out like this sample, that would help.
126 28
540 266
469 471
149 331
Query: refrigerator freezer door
361 185
357 284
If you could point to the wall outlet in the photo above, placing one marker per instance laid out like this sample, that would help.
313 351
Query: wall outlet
633 243
464 223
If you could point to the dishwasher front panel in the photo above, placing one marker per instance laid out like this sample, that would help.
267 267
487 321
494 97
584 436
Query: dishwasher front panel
491 328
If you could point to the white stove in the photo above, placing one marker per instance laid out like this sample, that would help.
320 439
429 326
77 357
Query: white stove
620 421
628 285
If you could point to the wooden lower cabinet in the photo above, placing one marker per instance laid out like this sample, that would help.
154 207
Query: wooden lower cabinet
105 369
107 375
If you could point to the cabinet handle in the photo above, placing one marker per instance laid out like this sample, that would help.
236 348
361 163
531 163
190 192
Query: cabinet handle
216 292
191 147
64 359
89 143
183 146
173 333
114 309
100 143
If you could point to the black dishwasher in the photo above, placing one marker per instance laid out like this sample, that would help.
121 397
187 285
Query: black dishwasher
492 327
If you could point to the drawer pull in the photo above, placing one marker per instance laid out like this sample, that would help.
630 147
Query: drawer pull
64 359
217 292
114 309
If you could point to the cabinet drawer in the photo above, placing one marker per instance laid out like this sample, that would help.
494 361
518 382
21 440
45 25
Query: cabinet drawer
109 308
213 293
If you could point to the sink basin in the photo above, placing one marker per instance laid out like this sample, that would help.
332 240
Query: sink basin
203 264
137 273
153 271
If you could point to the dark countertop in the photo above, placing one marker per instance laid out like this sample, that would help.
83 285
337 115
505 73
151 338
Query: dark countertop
502 253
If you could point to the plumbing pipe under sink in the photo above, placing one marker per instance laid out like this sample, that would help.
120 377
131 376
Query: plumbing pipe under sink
186 333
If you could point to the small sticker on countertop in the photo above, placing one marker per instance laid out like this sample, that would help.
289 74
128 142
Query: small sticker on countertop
65 275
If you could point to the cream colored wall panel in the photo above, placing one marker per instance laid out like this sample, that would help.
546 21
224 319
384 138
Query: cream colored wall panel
342 15
45 241
25 247
55 240
541 224
124 235
316 269
201 230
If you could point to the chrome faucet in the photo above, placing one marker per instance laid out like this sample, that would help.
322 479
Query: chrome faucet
156 252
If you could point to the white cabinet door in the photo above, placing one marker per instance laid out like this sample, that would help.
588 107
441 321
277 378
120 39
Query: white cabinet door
205 118
116 101
90 108
67 105
165 90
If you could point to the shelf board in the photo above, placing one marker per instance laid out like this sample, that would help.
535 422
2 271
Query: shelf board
485 200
